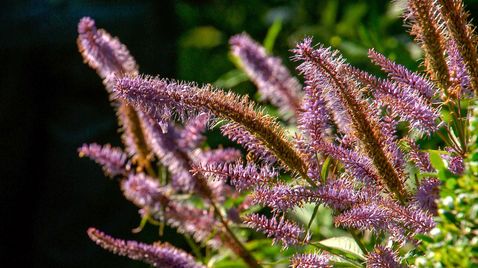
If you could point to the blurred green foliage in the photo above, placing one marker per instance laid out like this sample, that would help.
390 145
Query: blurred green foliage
454 241
351 26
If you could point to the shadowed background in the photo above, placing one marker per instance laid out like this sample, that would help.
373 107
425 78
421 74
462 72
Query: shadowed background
51 103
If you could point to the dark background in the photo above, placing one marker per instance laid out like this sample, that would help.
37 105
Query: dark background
51 103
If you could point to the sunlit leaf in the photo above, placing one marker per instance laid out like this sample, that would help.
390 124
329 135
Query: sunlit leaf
345 244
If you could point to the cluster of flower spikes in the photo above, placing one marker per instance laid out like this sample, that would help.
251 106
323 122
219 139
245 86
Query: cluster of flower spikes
176 148
345 114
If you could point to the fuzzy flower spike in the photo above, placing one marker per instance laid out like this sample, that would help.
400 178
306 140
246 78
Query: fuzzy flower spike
327 65
158 97
109 57
156 255
270 76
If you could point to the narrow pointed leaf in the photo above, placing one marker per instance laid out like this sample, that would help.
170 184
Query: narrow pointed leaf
344 244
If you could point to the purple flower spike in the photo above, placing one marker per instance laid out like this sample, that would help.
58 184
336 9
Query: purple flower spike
384 215
165 147
242 177
406 103
192 134
199 223
320 86
237 133
383 257
403 76
358 165
458 74
145 192
421 159
456 165
155 97
113 160
282 230
217 156
158 255
314 120
272 79
365 217
410 107
281 197
427 195
110 58
104 53
339 194
311 260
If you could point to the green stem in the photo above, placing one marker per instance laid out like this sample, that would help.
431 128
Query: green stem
194 247
240 248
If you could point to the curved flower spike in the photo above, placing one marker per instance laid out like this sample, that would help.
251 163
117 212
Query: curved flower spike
158 254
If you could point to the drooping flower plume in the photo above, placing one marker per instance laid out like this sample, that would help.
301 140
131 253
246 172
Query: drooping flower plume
160 98
386 215
281 230
242 177
109 57
404 77
272 79
156 255
104 53
113 160
147 194
281 197
253 145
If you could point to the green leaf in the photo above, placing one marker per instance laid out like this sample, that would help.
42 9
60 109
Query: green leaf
425 238
312 217
345 246
451 183
442 175
436 160
272 34
231 79
325 169
228 264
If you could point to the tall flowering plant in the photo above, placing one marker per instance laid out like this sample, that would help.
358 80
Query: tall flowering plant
346 154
